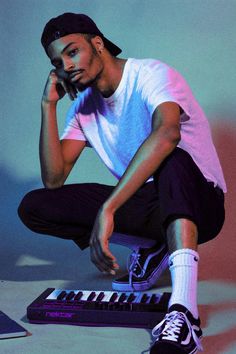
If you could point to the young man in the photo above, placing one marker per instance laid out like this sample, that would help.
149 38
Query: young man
143 121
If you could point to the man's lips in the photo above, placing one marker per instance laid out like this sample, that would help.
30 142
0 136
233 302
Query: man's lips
75 75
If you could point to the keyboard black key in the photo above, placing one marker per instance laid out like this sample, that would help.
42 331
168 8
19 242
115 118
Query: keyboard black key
70 296
78 296
62 295
131 298
113 297
91 296
153 299
144 298
122 297
100 296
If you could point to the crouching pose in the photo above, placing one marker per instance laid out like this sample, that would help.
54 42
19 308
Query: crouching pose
143 121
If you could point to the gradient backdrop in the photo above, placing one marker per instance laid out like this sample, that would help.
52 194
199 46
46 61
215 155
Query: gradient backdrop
197 37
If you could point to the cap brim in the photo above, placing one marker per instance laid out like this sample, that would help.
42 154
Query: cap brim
113 49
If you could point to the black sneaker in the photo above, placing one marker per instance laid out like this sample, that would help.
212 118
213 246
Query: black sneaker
178 333
145 265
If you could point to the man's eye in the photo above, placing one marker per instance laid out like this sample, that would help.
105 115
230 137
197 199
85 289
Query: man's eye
73 52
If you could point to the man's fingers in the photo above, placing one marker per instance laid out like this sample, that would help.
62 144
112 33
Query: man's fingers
100 256
67 89
107 253
100 263
103 259
73 91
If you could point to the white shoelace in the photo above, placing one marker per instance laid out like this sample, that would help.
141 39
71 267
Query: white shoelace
174 322
133 264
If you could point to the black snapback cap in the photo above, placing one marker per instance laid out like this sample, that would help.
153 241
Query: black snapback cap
69 23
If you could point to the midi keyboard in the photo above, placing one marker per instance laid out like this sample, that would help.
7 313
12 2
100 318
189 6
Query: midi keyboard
98 308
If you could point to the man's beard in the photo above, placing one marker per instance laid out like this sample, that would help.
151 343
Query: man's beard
82 87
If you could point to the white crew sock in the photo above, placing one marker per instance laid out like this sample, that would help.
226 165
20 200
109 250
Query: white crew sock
183 265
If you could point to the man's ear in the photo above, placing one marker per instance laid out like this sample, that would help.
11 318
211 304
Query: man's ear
98 43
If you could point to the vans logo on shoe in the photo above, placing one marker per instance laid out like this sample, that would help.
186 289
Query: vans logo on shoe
187 340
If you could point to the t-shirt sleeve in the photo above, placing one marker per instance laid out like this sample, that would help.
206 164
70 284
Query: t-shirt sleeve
161 83
73 128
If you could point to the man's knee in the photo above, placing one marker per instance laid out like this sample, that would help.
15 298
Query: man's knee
27 208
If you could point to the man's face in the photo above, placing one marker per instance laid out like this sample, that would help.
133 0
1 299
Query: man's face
76 60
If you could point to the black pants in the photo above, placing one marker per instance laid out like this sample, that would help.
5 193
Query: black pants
178 190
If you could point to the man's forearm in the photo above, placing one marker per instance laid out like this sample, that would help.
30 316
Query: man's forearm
145 162
51 159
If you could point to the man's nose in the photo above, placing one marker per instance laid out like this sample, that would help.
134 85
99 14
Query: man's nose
68 65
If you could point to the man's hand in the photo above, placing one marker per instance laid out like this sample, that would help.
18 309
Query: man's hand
56 88
99 242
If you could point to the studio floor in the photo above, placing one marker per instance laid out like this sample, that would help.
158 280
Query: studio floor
35 263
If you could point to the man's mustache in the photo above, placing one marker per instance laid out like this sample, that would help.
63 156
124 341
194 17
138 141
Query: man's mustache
69 75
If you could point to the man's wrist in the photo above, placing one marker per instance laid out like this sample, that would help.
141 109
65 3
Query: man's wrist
46 103
109 207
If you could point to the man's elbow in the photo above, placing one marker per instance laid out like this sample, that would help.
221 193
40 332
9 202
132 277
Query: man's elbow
173 136
52 186
52 183
176 137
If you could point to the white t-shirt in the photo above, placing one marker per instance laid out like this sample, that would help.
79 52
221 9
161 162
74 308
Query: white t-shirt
116 126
